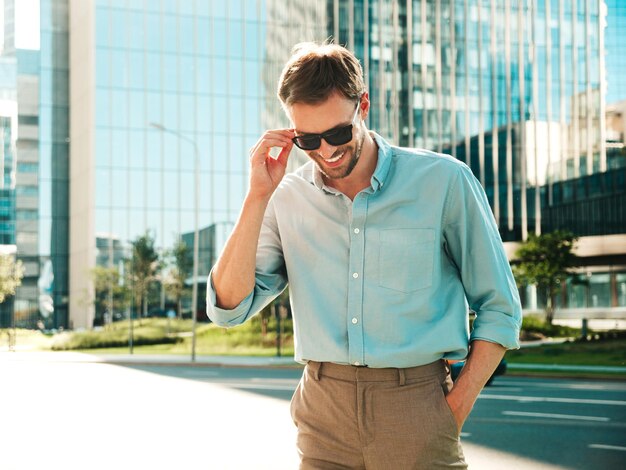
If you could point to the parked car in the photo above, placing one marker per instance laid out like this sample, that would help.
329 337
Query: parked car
455 370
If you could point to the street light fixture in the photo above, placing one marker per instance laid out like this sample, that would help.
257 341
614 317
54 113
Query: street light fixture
194 298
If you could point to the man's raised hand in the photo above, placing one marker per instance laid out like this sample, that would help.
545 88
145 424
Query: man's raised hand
266 172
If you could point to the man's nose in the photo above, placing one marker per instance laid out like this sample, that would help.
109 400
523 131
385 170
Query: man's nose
326 150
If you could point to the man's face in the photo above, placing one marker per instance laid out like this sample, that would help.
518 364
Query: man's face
334 161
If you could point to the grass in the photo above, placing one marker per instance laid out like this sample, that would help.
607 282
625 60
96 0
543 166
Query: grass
160 336
610 352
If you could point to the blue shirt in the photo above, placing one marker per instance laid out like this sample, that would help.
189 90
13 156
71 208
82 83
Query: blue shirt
386 280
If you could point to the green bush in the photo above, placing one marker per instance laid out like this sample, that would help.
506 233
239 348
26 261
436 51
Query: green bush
110 338
536 327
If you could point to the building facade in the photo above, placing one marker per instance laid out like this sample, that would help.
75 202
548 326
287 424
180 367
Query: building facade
517 91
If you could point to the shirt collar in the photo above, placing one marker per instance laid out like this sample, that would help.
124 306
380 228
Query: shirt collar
380 172
382 165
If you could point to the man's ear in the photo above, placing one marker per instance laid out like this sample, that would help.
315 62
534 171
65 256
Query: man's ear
364 105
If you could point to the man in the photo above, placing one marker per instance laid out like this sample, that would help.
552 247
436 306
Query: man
384 250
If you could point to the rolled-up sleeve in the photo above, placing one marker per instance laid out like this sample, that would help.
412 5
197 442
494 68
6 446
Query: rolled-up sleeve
473 244
270 278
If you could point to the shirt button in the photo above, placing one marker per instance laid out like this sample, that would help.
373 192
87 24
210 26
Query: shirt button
354 321
355 275
356 230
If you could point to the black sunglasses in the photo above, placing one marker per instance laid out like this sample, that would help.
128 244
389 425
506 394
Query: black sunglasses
335 137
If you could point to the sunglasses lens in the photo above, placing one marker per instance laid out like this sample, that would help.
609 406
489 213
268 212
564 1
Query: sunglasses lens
335 137
308 142
339 136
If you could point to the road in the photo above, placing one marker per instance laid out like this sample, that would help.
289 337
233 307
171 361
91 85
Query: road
71 415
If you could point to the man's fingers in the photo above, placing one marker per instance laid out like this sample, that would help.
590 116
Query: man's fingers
283 156
278 138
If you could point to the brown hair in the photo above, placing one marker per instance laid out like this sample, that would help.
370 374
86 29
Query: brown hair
315 71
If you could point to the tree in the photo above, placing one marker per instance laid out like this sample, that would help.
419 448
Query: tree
11 274
143 268
544 261
180 262
110 294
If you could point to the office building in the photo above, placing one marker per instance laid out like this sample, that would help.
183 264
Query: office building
515 90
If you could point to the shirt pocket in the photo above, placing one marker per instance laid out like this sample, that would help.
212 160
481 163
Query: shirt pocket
406 259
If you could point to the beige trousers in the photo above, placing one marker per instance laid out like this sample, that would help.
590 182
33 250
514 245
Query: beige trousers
376 419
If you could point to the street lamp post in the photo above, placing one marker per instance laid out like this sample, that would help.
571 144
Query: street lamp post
194 294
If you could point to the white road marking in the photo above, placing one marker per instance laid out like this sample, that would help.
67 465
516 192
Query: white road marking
603 387
554 415
526 399
256 386
606 447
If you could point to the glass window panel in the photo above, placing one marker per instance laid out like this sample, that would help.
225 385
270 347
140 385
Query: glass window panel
171 192
136 145
621 289
119 70
103 148
169 33
204 194
252 39
170 111
137 64
600 290
154 71
136 110
119 28
203 79
118 225
103 67
120 195
102 21
220 154
119 108
203 36
153 31
218 77
154 104
204 149
102 187
119 148
186 27
136 186
155 150
219 9
170 6
170 222
156 191
170 72
235 74
187 74
188 112
136 29
102 111
187 191
170 146
221 104
102 221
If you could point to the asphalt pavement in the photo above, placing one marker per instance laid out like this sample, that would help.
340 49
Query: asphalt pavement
72 410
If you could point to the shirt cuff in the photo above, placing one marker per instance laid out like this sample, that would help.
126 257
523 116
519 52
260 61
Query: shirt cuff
497 327
226 317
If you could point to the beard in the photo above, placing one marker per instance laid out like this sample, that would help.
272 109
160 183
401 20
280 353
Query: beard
351 156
